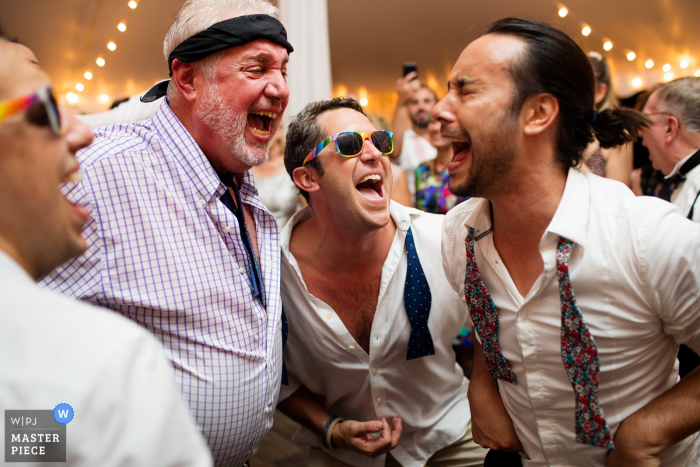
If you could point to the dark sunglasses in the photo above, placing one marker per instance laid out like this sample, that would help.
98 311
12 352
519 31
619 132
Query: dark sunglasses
41 109
351 143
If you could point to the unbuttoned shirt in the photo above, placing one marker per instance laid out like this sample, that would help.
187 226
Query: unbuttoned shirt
428 393
164 251
685 195
635 272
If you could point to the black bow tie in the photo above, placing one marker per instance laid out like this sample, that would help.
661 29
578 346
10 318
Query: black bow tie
692 162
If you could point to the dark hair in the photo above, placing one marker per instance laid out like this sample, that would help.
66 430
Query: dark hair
601 71
305 133
554 64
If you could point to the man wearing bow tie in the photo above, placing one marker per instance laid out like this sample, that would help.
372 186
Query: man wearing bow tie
370 317
579 291
674 139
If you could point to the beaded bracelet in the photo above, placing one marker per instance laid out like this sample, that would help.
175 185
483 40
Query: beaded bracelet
328 430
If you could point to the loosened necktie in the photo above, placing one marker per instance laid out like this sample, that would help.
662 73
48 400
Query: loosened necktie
578 351
254 270
580 357
417 300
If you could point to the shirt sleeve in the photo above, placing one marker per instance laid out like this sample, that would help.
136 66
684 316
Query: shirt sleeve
137 416
671 267
80 277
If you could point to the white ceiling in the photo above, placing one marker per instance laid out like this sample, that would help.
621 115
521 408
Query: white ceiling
370 39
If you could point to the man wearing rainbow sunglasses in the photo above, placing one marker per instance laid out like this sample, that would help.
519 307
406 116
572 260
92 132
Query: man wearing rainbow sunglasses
369 366
125 408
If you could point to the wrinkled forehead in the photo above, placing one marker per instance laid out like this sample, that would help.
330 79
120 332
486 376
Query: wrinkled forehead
490 57
343 119
18 76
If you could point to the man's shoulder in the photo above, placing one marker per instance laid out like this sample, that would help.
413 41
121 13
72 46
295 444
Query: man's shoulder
50 320
612 198
118 141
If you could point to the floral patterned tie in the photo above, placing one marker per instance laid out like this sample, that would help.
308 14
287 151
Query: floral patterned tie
580 357
578 350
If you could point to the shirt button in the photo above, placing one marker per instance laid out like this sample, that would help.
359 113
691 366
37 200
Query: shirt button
241 270
379 400
267 410
374 371
202 202
329 316
351 348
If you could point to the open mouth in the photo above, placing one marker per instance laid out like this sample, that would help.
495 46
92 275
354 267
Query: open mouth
461 151
371 187
260 122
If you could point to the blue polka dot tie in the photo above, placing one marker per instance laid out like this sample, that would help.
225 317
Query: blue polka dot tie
417 300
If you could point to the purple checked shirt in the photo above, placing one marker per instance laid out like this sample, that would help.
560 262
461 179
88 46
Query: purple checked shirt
166 253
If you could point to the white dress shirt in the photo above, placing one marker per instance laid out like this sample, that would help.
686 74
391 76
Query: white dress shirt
428 393
635 272
684 196
113 374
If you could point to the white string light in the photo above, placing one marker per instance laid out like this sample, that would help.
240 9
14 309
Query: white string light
586 31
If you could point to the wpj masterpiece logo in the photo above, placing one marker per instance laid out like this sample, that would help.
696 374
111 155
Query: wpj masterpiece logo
37 435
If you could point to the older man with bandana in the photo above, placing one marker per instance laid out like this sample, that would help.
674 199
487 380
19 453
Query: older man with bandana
178 240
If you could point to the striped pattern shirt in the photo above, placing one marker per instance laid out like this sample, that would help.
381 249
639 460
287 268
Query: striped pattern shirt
165 252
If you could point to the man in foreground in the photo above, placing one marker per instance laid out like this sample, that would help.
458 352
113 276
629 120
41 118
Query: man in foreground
54 350
178 240
674 139
580 292
371 319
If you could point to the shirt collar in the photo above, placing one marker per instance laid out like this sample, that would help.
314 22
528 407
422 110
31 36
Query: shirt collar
679 164
187 153
570 219
400 214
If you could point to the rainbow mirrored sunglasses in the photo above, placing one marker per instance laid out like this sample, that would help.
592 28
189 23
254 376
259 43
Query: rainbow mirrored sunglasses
351 143
41 108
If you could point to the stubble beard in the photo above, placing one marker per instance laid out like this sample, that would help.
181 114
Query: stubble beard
231 126
491 173
421 122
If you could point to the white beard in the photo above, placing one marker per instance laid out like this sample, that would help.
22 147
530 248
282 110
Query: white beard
221 120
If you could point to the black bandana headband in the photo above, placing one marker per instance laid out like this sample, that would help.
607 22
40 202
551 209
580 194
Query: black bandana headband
220 36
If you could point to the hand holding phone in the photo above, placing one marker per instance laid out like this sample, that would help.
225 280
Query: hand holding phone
410 67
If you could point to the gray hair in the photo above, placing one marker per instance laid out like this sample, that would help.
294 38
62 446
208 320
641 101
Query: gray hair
681 97
197 15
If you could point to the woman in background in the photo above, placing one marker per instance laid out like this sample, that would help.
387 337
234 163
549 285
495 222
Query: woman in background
613 163
275 188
